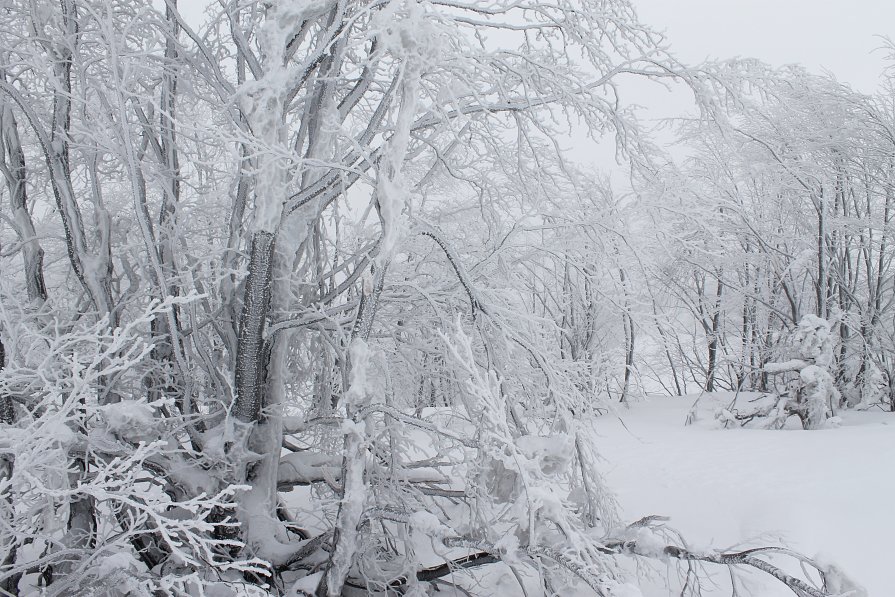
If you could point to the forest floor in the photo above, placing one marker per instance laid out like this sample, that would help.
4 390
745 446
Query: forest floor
826 493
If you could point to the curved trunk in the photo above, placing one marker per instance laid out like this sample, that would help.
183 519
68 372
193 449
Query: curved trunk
32 252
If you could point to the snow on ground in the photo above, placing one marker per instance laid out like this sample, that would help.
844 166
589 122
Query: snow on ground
820 492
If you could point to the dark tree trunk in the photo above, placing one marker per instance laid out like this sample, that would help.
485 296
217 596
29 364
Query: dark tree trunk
714 339
250 367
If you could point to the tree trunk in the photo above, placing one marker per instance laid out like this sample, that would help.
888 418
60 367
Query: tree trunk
821 285
32 252
250 366
714 338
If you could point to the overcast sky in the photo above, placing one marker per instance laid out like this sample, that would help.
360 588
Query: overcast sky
837 35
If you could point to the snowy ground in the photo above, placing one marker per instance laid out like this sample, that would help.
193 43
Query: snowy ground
820 492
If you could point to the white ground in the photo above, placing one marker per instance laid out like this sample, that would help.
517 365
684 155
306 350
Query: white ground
824 492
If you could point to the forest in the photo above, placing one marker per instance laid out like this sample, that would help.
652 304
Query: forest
323 297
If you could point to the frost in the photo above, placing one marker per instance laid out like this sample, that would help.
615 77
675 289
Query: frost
304 439
412 39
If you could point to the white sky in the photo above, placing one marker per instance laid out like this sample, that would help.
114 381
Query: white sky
837 35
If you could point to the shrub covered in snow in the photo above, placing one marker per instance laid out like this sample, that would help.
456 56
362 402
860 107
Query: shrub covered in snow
810 393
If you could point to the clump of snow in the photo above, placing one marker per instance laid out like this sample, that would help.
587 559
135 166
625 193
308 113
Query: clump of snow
359 354
818 391
834 422
783 367
61 434
408 33
552 453
836 581
305 586
501 482
428 524
543 500
649 542
813 340
508 547
613 588
117 562
133 420
725 418
624 590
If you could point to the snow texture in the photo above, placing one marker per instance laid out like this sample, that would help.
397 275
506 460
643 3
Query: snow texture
758 487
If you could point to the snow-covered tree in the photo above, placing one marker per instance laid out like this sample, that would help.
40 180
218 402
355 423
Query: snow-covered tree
810 390
268 325
782 208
